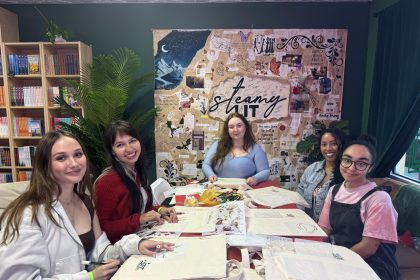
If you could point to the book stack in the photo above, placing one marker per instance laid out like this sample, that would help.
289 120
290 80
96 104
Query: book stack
5 156
62 64
25 126
67 93
21 64
6 177
26 96
2 99
24 155
57 122
4 127
24 175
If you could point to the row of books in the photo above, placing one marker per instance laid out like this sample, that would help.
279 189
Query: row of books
56 122
2 98
5 159
6 177
22 64
4 127
67 93
26 126
26 96
24 155
24 175
62 64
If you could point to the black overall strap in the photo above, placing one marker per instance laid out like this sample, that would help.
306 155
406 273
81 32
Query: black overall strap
335 190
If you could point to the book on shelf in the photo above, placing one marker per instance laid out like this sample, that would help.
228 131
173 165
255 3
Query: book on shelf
4 127
35 127
24 156
18 64
26 96
62 63
6 177
56 122
1 68
33 64
21 126
5 156
2 99
67 93
24 175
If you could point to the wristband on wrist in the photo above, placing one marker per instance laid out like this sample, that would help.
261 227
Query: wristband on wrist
159 209
90 273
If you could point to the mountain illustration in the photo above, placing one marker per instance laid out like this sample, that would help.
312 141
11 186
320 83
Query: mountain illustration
168 76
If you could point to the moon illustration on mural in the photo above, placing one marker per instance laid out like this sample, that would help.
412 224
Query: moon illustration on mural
163 49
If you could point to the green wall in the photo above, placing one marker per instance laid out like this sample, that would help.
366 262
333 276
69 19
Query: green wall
110 26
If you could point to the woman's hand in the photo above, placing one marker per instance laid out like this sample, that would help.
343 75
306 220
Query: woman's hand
251 181
105 271
169 214
212 178
151 216
150 247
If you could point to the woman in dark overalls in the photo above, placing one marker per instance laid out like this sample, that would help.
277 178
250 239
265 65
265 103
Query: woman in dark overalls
359 215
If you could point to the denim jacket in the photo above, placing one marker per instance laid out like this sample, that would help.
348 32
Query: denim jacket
311 177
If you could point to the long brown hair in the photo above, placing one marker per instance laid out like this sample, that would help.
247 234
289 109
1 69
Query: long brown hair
225 144
43 188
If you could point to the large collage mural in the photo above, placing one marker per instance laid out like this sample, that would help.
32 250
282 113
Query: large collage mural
281 80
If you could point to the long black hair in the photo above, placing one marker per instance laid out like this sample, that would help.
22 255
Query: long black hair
124 127
341 139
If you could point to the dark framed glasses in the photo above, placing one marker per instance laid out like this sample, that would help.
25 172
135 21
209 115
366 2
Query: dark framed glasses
359 165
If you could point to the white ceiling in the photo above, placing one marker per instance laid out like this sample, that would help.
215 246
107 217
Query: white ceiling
157 1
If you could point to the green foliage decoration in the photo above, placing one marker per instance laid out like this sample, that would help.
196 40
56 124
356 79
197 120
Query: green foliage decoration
106 88
54 30
309 145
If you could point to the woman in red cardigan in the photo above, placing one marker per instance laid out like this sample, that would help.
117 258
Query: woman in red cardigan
123 196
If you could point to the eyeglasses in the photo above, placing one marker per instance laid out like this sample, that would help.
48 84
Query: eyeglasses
359 165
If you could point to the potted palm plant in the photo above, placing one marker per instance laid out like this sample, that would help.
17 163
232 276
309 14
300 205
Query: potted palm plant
107 86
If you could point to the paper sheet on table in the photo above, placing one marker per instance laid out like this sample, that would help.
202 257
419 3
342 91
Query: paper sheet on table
274 197
184 262
226 218
253 240
230 218
192 220
315 265
285 222
232 183
185 190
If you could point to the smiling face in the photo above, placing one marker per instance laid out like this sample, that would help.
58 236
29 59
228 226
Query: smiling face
329 147
356 153
68 162
127 149
236 129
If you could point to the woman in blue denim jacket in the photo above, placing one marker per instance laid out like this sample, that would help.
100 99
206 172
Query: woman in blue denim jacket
321 175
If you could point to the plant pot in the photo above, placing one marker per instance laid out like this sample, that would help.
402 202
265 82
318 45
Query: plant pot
59 38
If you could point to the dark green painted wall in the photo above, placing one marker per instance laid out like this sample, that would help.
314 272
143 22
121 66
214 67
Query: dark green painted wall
110 26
